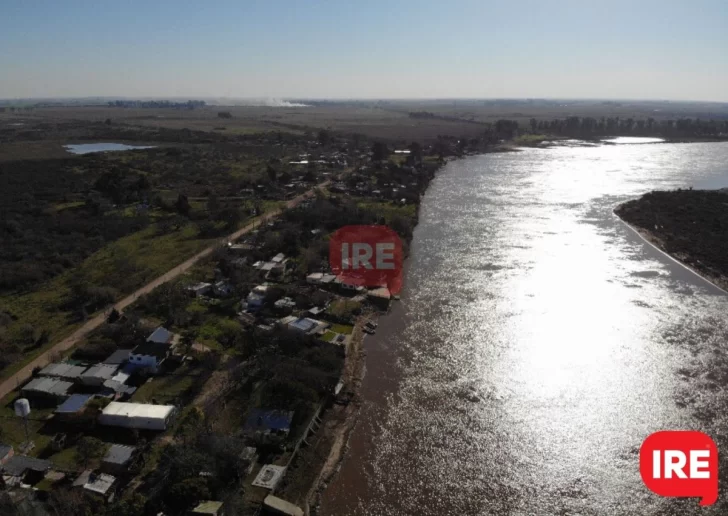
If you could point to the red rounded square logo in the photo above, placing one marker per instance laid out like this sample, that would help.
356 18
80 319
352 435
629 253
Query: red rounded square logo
367 256
682 464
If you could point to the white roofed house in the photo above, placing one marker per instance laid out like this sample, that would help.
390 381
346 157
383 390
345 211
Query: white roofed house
141 416
97 484
154 351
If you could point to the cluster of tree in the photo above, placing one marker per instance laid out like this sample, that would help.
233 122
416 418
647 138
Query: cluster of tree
691 223
190 104
586 127
50 221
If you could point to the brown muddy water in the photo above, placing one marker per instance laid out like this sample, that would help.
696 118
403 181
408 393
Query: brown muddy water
538 342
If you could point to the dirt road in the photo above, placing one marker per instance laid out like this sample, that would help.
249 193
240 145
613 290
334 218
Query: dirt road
19 377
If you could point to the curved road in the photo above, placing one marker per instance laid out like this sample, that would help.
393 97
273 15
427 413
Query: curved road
43 359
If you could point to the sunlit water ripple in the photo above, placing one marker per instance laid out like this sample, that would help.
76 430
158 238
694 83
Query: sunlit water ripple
538 342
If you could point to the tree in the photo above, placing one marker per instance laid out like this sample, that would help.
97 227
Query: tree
213 205
271 173
183 494
129 506
113 316
380 152
89 448
324 137
182 205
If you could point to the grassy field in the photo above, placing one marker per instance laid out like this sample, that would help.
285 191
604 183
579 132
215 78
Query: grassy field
130 261
167 388
389 210
378 119
342 328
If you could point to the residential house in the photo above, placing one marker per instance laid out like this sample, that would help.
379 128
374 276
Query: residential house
153 352
222 288
52 388
138 415
117 459
95 376
269 476
161 335
73 406
200 289
285 305
303 325
256 298
149 355
97 484
20 469
63 370
118 357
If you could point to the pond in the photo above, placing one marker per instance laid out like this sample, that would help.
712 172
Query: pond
86 148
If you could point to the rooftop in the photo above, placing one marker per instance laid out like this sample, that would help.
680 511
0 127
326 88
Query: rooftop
98 483
48 386
17 465
119 454
62 370
269 476
117 408
118 357
160 335
73 404
103 371
281 506
278 420
208 507
152 349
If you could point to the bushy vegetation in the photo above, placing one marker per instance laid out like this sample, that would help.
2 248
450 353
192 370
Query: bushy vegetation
691 224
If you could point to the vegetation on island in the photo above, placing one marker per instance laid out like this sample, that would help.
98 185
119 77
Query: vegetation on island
691 225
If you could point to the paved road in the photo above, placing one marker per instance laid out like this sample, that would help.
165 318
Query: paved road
18 378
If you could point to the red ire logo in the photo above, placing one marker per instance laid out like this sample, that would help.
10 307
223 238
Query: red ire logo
367 256
680 463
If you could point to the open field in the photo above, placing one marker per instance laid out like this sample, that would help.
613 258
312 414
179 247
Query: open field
386 119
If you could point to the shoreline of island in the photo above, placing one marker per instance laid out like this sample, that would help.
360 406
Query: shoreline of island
689 258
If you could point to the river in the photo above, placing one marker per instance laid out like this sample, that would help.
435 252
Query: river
538 342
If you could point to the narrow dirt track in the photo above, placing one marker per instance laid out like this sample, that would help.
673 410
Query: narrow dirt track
43 359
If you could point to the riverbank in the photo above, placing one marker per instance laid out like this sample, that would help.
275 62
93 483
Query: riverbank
690 226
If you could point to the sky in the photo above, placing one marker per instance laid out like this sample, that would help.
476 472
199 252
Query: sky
636 49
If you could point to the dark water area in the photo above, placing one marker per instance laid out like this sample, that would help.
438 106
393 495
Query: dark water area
86 148
538 342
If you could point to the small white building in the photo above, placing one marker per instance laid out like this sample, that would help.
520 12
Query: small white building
138 415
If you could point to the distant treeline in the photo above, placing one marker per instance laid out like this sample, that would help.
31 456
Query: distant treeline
190 104
586 127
